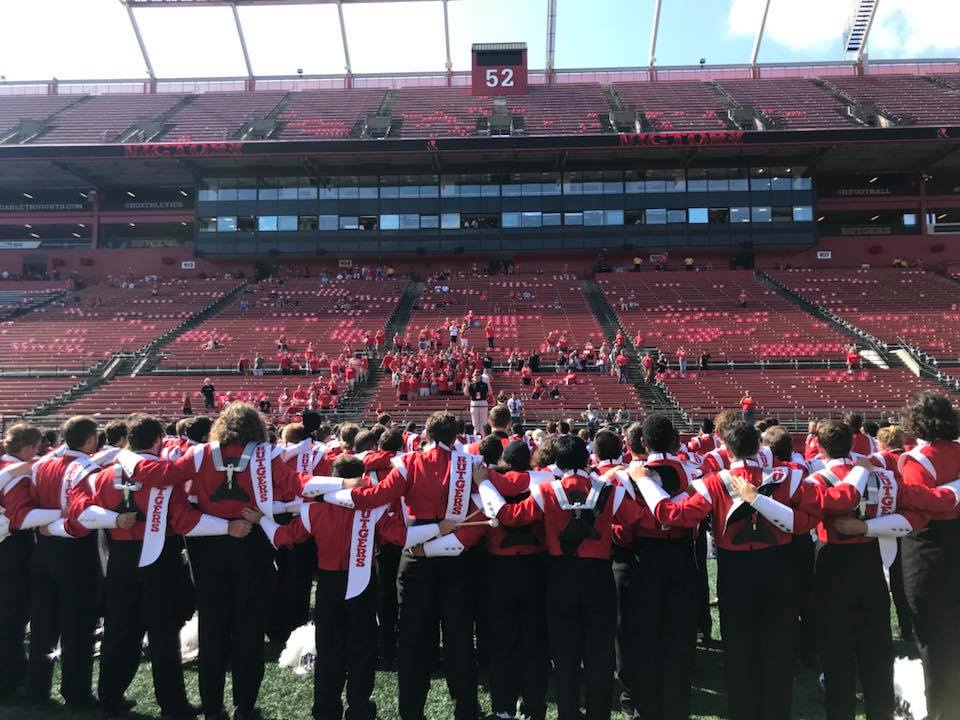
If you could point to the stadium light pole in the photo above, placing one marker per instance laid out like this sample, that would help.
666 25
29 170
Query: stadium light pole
346 47
759 39
140 42
653 36
446 37
551 37
243 40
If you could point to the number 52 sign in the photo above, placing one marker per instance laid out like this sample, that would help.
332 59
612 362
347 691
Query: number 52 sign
499 69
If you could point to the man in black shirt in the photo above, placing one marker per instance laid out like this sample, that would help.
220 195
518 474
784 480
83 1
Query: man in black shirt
209 394
478 391
534 361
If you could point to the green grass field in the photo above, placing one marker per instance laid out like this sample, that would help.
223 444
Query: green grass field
286 696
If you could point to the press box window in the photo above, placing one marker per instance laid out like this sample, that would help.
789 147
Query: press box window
802 213
429 222
697 216
760 214
207 224
307 223
287 223
450 221
389 222
227 223
327 222
267 223
782 214
739 214
246 223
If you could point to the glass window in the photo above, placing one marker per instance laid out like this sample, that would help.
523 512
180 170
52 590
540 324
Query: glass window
781 178
530 219
228 189
655 216
490 190
269 190
409 221
511 189
718 216
267 223
288 189
207 224
551 219
246 223
349 188
592 182
208 193
510 219
675 180
613 217
409 186
739 214
449 188
802 213
908 219
227 223
349 222
782 214
802 183
717 180
759 179
551 183
676 216
389 187
327 222
327 188
368 187
634 181
246 189
697 180
656 181
760 214
573 218
698 215
450 221
429 222
389 222
429 186
737 180
593 217
612 182
287 223
307 223
572 184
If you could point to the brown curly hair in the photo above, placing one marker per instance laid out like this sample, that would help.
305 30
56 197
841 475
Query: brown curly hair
238 424
930 416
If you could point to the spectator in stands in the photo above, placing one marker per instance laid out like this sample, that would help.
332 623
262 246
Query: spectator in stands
637 263
489 334
209 394
282 343
853 359
554 393
515 406
186 407
264 404
688 263
243 365
591 417
703 362
258 365
622 417
742 299
533 362
623 368
682 360
747 407
662 364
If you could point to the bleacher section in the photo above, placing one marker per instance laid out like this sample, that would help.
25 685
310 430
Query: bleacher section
17 395
700 311
305 310
100 320
798 396
921 308
559 109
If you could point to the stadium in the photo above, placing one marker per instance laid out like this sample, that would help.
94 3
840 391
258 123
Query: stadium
609 243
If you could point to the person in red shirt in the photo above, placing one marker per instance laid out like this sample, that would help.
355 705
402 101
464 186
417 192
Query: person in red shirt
144 572
623 368
747 405
489 334
647 362
576 514
17 516
853 359
379 338
862 443
286 364
810 448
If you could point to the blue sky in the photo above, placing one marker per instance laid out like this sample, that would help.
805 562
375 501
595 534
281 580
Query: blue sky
92 38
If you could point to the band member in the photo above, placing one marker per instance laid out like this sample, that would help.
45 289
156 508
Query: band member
115 439
17 513
238 469
345 611
576 513
434 584
143 517
757 583
657 581
719 458
515 584
500 423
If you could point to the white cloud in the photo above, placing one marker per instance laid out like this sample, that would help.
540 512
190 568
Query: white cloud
903 28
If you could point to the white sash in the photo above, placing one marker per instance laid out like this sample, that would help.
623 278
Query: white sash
7 480
155 527
362 549
76 472
261 476
886 500
588 504
458 490
726 478
920 458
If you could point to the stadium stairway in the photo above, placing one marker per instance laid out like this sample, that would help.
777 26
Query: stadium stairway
25 308
653 396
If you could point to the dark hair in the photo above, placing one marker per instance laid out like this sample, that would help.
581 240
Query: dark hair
365 440
659 435
552 427
499 417
391 441
854 421
78 430
726 417
771 422
384 419
607 445
377 431
239 424
930 416
442 427
834 438
706 426
115 431
741 439
51 436
760 425
171 429
563 427
21 435
572 453
348 435
411 426
871 428
516 456
198 429
779 441
517 428
491 449
635 438
347 466
143 431
546 452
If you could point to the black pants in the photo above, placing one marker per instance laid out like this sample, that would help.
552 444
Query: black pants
657 629
517 631
803 548
15 554
432 591
346 649
897 591
64 585
758 616
582 623
231 576
388 563
853 610
489 342
931 578
295 570
142 600
704 616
